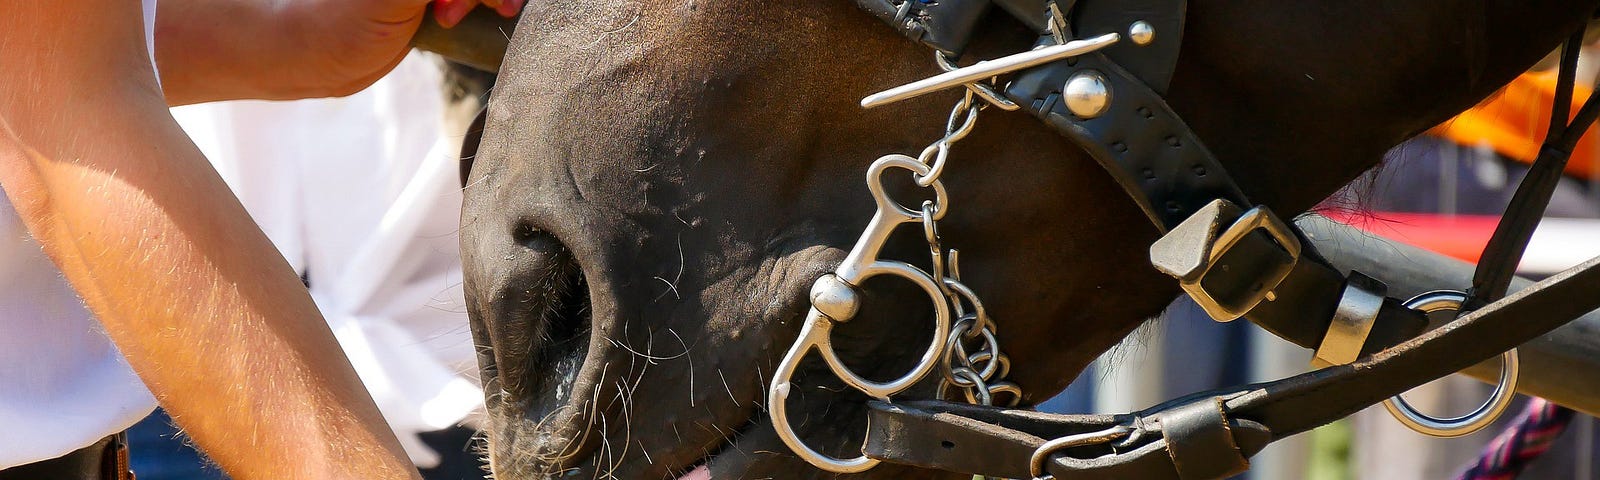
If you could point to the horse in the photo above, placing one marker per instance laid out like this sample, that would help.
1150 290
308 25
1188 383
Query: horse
658 184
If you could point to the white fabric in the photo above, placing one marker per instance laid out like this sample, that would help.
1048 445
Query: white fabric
361 194
63 385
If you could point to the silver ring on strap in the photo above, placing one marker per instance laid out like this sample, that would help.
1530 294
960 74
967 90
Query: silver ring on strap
1504 390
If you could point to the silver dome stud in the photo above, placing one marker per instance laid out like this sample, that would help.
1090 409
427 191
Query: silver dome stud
1142 33
835 298
1087 94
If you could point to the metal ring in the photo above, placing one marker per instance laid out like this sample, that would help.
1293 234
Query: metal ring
940 150
1008 388
1504 390
896 212
1002 362
954 349
978 393
980 314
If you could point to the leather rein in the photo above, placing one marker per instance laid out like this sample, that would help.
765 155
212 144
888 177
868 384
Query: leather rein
1098 76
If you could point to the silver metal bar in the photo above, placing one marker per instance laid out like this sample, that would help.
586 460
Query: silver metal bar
987 69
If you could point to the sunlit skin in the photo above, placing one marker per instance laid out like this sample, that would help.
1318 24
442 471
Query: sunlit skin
212 319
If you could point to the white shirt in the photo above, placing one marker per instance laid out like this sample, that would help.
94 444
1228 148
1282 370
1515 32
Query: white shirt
361 194
63 385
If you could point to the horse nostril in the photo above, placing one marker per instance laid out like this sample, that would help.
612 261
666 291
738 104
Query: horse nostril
540 318
523 233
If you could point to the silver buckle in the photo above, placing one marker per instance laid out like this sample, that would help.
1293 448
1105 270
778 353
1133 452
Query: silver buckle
1192 273
1258 218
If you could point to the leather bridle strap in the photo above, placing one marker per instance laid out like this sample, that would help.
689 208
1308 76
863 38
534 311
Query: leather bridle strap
1234 262
1147 147
1151 153
1500 259
1182 438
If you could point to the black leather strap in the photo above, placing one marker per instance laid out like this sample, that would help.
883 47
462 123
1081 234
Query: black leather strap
1498 264
945 25
1305 299
106 459
1145 146
1141 141
986 440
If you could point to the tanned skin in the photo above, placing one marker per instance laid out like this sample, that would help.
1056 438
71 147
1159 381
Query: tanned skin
193 294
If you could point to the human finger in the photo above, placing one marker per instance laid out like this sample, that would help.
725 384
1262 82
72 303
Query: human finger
510 8
450 12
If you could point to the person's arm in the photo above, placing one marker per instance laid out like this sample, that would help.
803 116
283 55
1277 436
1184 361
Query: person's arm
191 291
211 50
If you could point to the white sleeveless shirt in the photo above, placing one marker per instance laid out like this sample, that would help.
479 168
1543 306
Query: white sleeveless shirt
63 385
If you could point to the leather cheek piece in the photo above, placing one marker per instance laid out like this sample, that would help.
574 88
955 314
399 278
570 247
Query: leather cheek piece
1152 64
1150 152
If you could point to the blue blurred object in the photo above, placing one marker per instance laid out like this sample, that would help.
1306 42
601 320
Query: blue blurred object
156 452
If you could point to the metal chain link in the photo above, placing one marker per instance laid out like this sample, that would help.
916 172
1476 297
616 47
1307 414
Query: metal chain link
963 346
973 361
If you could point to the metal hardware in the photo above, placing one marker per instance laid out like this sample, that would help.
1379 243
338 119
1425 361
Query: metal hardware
835 299
959 317
1504 391
1142 33
1086 94
1258 218
1056 22
980 71
1036 461
1352 321
984 91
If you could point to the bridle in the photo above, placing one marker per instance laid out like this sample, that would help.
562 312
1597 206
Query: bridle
1105 93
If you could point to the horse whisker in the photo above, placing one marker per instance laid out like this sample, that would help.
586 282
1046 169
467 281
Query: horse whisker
729 390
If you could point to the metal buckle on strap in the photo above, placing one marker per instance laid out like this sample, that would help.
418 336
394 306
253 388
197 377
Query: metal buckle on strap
1352 321
1191 253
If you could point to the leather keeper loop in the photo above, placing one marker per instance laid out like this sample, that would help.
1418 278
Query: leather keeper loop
1200 442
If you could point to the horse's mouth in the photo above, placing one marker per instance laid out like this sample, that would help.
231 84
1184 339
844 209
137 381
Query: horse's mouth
701 469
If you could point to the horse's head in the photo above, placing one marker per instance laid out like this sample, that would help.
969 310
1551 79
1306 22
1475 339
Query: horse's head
661 182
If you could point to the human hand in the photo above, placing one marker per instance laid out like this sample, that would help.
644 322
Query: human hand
355 42
284 50
450 12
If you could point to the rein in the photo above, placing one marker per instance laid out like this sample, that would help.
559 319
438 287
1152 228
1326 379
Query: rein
1098 76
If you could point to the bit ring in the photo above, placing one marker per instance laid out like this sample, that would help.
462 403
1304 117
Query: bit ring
1504 390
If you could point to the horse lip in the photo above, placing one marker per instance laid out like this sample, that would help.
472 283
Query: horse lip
702 472
701 469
